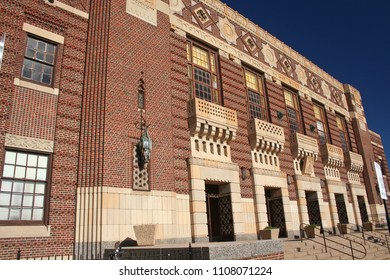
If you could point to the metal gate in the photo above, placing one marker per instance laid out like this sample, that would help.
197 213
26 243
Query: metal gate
363 209
313 208
226 218
219 217
276 215
341 209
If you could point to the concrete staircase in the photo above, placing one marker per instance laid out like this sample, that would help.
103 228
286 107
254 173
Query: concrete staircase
314 249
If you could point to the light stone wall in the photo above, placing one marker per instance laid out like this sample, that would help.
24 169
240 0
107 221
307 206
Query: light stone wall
306 183
204 171
271 179
359 190
249 218
295 219
335 187
122 208
378 213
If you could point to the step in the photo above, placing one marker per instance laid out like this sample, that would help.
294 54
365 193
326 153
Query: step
309 250
323 256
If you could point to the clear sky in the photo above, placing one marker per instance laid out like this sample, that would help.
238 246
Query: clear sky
349 39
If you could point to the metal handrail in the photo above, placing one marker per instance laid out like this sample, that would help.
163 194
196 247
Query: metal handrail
327 240
383 238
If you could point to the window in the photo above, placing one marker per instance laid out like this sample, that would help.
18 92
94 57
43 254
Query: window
343 133
256 97
202 73
293 112
38 63
319 113
23 186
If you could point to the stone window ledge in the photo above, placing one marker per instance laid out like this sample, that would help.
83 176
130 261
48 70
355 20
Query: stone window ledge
24 231
34 86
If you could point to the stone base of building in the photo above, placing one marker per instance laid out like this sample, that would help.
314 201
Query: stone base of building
265 249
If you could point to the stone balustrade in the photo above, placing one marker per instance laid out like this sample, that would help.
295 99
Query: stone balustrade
267 141
211 120
353 162
332 156
265 136
212 127
303 146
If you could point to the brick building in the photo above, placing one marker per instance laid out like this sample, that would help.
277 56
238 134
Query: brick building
246 132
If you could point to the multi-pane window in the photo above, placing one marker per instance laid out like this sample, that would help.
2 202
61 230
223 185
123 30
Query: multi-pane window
293 113
38 63
23 186
256 96
343 133
319 113
202 73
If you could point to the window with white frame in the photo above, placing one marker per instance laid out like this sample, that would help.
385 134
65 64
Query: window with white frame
23 187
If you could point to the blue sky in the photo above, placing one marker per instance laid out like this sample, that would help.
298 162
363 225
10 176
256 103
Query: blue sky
349 39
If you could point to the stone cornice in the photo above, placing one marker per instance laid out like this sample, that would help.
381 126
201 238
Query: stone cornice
307 179
191 29
336 183
266 172
212 164
68 8
270 39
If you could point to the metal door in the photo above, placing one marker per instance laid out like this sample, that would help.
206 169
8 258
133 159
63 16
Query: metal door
219 217
363 209
276 215
313 208
341 209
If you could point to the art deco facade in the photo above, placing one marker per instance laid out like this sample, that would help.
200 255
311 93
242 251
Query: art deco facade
246 131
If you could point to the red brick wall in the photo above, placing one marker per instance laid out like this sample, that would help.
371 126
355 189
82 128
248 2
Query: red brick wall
235 97
33 109
380 157
277 104
30 113
136 46
364 148
180 97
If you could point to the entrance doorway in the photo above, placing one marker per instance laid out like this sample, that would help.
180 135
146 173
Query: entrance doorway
341 209
313 208
219 214
275 211
363 209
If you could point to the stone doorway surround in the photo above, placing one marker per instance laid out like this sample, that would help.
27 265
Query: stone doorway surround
272 180
338 187
308 183
267 142
204 172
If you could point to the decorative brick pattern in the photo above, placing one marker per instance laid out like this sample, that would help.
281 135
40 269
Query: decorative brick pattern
30 113
235 99
92 123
